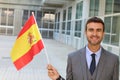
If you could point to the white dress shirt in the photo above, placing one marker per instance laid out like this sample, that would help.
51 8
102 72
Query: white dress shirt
89 58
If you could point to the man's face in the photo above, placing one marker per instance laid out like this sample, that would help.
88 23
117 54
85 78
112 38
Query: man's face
94 33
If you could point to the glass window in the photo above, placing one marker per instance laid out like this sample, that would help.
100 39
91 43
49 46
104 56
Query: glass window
56 17
55 27
112 30
112 6
116 8
64 15
115 30
50 34
79 8
58 27
58 23
4 16
25 16
45 20
7 17
55 22
69 13
106 38
45 16
44 33
51 26
78 28
69 21
64 22
10 17
108 7
3 30
107 24
63 27
45 25
52 17
48 20
9 31
38 18
94 8
68 28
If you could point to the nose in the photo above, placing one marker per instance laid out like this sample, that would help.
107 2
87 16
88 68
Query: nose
94 32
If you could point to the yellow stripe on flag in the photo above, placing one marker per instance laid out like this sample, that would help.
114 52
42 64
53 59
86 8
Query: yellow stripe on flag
23 44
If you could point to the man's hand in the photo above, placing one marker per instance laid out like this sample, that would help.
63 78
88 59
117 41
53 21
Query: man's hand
52 72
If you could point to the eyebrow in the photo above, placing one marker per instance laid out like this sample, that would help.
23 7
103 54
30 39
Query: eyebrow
93 29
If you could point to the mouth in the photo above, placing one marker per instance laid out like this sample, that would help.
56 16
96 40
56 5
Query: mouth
95 37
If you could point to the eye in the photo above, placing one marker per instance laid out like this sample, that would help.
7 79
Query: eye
99 30
90 29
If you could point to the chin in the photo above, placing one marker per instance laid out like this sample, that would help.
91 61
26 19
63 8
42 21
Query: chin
95 44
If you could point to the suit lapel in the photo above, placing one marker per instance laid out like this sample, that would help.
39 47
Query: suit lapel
83 63
101 64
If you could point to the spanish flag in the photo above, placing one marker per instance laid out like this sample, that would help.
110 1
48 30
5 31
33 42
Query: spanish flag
27 45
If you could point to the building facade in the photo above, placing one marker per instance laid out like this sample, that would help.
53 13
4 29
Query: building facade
14 13
64 22
71 18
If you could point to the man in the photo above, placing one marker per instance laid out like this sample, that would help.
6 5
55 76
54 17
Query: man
92 62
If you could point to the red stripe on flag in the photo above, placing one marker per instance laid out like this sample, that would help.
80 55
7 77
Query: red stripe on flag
25 59
27 25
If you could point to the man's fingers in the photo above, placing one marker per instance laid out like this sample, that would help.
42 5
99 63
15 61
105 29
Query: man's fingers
51 70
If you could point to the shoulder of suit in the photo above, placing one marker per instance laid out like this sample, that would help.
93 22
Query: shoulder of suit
77 52
110 54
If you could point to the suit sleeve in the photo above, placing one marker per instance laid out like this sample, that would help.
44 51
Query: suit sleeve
116 70
60 78
69 75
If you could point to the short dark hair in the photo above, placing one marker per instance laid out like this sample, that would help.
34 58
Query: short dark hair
96 20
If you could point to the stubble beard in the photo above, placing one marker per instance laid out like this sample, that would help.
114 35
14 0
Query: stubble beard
95 43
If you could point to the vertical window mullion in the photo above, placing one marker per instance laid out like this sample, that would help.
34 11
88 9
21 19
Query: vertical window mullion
111 30
7 17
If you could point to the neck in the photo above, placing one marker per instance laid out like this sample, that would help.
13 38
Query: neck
94 48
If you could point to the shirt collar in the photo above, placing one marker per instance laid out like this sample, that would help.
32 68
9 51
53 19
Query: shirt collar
98 53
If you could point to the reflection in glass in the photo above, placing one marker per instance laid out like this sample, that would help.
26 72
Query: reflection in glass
94 8
68 28
39 18
10 17
63 27
79 11
78 28
108 6
3 16
64 15
115 30
112 30
69 13
106 38
116 6
25 16
107 24
112 6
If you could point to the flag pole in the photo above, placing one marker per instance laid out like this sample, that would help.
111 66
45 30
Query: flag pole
48 61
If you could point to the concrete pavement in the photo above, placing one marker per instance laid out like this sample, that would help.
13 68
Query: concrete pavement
36 69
